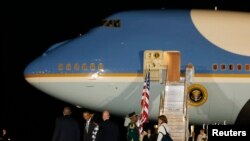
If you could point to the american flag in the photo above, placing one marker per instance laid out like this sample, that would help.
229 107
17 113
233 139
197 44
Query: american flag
145 102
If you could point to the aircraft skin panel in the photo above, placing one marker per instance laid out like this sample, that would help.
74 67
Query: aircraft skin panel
227 95
224 103
105 94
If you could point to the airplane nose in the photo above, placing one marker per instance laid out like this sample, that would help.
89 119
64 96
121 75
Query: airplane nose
43 65
30 69
28 72
34 68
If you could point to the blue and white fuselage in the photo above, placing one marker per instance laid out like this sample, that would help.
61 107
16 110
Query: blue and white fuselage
103 69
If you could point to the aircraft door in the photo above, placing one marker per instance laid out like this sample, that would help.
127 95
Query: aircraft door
173 61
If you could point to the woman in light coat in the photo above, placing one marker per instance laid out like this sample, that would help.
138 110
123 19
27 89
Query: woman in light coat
162 127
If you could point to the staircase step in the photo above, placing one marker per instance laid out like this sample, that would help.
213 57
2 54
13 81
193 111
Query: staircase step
177 124
177 129
173 113
176 118
178 138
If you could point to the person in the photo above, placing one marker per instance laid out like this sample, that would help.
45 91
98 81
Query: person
192 136
66 127
202 136
95 132
132 128
5 135
88 126
162 127
155 133
108 130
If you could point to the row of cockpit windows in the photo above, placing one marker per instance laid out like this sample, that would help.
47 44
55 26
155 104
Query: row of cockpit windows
78 67
231 67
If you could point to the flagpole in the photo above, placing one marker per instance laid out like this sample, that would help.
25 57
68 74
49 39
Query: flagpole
145 102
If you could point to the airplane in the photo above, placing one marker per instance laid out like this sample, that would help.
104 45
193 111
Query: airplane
104 68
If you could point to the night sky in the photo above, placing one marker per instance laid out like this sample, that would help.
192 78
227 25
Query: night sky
29 29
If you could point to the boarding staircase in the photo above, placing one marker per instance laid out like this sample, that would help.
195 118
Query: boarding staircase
174 106
165 68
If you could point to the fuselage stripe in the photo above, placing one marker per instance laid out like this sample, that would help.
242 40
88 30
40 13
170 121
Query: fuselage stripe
128 75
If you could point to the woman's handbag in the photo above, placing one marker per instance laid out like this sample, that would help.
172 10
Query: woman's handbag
166 137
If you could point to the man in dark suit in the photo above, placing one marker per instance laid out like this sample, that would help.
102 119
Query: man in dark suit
88 126
66 127
108 131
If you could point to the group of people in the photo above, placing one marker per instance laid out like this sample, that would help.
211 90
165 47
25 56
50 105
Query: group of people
68 129
147 135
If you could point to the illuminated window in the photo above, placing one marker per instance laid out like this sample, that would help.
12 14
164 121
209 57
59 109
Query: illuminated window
100 66
231 67
92 66
76 67
247 67
215 67
223 67
68 67
84 66
239 67
112 23
60 67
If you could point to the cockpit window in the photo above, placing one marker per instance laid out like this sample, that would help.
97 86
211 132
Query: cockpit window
112 23
55 46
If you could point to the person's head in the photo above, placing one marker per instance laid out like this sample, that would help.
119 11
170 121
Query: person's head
149 131
202 131
162 119
67 111
155 129
4 131
133 117
86 115
193 134
105 115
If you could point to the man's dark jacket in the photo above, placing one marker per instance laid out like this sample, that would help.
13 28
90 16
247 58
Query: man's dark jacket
66 129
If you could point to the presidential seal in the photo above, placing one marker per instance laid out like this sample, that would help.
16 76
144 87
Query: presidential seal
197 94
